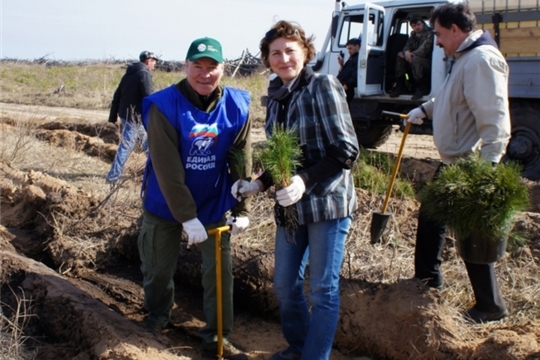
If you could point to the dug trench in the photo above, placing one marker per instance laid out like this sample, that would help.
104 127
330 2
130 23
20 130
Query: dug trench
69 258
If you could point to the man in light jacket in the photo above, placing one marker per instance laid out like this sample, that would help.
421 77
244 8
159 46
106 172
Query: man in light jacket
470 113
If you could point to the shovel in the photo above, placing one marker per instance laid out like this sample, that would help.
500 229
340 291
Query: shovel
380 218
219 290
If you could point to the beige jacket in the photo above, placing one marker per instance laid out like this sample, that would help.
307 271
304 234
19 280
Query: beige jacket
470 112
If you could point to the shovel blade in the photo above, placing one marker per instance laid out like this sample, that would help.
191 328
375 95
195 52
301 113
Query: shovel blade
378 224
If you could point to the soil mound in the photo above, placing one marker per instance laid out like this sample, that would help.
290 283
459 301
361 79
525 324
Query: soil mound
68 257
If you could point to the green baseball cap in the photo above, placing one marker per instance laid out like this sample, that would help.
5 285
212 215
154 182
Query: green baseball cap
205 47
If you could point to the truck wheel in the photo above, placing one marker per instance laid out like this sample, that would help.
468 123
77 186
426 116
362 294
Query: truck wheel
370 135
524 146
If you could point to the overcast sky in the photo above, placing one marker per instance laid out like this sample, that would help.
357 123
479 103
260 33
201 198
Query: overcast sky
121 29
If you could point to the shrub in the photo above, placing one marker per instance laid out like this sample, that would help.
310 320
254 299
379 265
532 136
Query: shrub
372 173
474 197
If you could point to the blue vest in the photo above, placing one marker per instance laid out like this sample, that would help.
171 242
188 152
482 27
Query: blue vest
204 142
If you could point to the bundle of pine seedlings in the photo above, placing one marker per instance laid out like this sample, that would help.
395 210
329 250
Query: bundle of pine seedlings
279 157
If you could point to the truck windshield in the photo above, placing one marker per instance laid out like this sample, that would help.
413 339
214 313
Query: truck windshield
352 27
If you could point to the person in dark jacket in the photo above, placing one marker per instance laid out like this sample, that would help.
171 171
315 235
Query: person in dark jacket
127 104
348 71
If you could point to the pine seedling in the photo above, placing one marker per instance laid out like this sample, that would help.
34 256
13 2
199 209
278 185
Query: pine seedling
237 162
281 155
474 197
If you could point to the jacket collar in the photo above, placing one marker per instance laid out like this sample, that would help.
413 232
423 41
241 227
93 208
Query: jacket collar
475 39
280 92
203 103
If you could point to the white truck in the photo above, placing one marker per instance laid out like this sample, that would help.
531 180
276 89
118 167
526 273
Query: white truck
384 29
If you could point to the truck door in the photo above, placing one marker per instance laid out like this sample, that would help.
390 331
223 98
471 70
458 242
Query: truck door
371 58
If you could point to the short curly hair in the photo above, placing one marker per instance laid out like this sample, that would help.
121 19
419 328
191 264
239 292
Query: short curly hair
287 30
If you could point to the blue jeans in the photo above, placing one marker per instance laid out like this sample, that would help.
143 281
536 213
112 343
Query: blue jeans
131 133
323 244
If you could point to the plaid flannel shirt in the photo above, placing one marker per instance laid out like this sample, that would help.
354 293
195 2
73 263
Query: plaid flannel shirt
320 116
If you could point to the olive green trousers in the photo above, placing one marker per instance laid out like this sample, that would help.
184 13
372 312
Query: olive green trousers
159 245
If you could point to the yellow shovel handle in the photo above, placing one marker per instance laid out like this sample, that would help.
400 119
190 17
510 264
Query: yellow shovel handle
219 290
396 165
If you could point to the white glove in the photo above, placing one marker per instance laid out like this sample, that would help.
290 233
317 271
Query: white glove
292 193
241 189
195 231
415 116
238 224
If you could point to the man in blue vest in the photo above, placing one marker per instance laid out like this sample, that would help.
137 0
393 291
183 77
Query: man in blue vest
196 129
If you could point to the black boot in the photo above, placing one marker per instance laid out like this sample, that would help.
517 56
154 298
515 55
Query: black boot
400 87
422 89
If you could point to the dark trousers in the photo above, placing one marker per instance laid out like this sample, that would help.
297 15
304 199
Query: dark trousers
430 238
419 67
159 245
350 96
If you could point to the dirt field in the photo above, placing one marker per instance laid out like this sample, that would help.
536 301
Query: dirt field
68 258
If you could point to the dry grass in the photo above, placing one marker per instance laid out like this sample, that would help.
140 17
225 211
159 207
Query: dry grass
16 139
386 262
12 338
393 259
80 245
91 87
62 162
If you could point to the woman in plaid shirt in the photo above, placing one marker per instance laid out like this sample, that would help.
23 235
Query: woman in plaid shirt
322 191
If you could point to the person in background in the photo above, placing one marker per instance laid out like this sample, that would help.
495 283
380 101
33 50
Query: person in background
322 192
416 56
196 130
126 104
469 113
348 71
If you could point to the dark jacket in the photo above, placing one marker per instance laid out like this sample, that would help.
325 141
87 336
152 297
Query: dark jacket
315 110
134 86
349 74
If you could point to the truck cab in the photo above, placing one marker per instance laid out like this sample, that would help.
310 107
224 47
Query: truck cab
384 29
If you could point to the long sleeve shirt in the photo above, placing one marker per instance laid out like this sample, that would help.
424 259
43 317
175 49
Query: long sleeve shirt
163 143
319 113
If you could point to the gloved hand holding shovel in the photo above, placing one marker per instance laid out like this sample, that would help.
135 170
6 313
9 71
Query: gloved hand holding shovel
415 116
